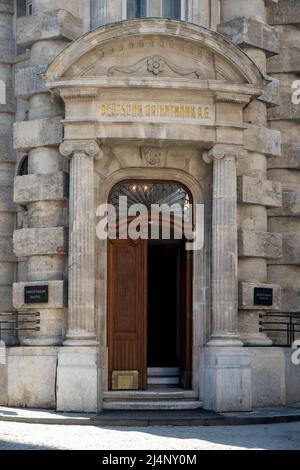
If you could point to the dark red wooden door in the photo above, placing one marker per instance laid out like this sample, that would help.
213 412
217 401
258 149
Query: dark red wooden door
127 308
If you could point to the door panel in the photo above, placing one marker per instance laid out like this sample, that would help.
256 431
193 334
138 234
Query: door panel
127 315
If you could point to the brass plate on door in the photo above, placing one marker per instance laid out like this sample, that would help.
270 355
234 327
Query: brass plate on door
125 380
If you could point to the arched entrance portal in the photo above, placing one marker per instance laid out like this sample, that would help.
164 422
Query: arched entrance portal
150 287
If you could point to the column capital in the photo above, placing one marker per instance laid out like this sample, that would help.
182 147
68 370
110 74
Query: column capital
221 151
88 147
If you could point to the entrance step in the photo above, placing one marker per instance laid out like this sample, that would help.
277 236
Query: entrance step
167 399
152 405
163 376
160 394
163 371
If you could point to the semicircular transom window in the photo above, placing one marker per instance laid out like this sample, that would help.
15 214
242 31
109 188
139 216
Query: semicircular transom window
165 194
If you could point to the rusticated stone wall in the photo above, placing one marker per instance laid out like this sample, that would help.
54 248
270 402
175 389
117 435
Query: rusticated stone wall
7 160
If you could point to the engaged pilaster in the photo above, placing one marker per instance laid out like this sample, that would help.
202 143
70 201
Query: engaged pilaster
81 314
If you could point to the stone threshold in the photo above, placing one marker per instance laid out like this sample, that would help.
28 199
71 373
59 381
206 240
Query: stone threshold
268 415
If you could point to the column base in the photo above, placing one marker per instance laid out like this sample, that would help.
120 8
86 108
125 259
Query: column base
226 379
80 342
78 379
225 341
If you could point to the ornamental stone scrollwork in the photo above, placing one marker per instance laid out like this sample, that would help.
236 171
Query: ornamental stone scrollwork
155 65
152 156
220 152
89 147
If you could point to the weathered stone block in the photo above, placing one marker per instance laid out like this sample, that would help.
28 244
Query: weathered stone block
259 244
226 369
268 376
285 12
287 61
40 241
246 296
271 95
5 299
76 368
263 140
45 187
57 295
37 133
247 32
48 25
32 377
286 110
255 191
288 276
3 385
28 81
6 250
290 205
7 6
7 54
290 249
6 200
292 377
290 157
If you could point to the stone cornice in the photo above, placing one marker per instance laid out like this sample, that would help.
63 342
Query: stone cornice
237 98
235 92
88 147
220 152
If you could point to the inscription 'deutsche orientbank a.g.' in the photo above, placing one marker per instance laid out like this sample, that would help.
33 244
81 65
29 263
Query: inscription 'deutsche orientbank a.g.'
150 111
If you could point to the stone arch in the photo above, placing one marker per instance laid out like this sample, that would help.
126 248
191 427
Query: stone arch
200 273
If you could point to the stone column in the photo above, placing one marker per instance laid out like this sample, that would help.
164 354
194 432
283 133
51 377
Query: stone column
224 246
78 363
225 365
81 305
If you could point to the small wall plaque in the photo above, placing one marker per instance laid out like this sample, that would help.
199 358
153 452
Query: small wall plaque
36 294
263 296
125 380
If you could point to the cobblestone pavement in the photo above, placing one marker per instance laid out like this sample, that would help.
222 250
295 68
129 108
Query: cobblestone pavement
19 436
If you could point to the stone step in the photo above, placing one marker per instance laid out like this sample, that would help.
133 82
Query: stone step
152 405
163 380
163 371
159 394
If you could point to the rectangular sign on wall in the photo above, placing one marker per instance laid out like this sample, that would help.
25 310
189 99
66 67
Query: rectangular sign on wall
36 294
263 296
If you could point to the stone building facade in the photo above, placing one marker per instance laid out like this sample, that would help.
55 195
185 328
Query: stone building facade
190 92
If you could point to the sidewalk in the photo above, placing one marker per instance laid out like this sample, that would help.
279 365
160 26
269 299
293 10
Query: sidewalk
269 415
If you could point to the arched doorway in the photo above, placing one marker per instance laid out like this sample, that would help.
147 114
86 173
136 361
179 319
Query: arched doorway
150 289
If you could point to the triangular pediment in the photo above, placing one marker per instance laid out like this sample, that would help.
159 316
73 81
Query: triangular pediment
155 49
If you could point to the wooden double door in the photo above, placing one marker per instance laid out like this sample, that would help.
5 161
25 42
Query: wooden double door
149 308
